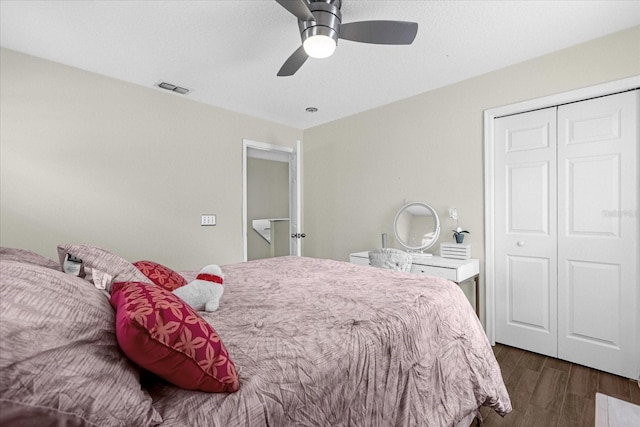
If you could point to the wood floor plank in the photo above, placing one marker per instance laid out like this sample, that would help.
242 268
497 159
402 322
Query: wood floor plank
634 388
537 417
484 411
577 411
510 354
583 381
557 364
613 385
550 388
532 361
508 360
520 391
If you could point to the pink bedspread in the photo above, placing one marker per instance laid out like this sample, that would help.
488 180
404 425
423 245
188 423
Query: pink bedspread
327 343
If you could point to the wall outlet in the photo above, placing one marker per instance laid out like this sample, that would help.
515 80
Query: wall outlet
453 213
208 219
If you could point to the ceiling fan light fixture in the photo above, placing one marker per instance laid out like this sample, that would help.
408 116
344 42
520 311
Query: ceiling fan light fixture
319 41
319 46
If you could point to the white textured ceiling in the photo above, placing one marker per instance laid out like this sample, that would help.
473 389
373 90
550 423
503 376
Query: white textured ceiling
229 52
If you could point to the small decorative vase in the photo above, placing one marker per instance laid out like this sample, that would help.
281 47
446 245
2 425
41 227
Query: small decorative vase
459 238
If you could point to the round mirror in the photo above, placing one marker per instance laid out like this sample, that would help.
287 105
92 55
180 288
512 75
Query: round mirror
416 226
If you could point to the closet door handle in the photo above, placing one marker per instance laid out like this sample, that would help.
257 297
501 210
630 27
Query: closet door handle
520 243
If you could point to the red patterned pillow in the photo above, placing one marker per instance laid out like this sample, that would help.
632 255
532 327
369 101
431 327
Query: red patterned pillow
161 275
162 334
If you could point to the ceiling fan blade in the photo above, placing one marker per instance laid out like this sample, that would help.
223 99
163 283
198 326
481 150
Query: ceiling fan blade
293 63
299 8
380 32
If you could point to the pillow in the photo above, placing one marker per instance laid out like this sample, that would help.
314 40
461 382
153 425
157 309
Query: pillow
161 275
59 357
101 267
163 335
23 255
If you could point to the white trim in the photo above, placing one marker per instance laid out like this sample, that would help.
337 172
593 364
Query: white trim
520 107
265 147
298 190
271 155
566 97
489 279
264 151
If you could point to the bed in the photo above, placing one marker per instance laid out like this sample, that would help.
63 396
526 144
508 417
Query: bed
315 342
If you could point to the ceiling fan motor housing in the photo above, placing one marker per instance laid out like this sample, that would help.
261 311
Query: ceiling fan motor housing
327 20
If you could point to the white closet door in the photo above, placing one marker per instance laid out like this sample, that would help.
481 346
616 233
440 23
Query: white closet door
526 231
598 233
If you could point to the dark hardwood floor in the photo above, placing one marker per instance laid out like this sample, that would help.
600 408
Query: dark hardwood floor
548 392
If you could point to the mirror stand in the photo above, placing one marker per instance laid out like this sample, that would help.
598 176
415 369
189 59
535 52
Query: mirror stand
417 228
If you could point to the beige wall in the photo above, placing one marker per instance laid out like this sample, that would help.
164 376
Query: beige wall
360 170
90 159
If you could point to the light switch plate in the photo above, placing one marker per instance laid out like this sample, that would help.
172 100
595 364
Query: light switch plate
208 219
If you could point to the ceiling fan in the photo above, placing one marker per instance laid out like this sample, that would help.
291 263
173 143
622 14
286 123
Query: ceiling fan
320 23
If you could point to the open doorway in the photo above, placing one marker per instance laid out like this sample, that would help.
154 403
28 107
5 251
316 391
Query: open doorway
271 194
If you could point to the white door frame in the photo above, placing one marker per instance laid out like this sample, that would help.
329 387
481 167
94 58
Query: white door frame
489 172
278 153
295 199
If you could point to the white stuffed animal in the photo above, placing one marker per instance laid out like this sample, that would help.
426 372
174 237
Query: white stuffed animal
205 291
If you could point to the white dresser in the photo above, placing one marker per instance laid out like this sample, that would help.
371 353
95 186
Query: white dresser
456 270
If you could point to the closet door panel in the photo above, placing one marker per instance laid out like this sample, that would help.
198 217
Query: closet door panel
528 198
593 189
598 233
528 293
586 279
525 224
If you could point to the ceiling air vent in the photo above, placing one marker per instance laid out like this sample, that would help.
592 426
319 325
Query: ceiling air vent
174 88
